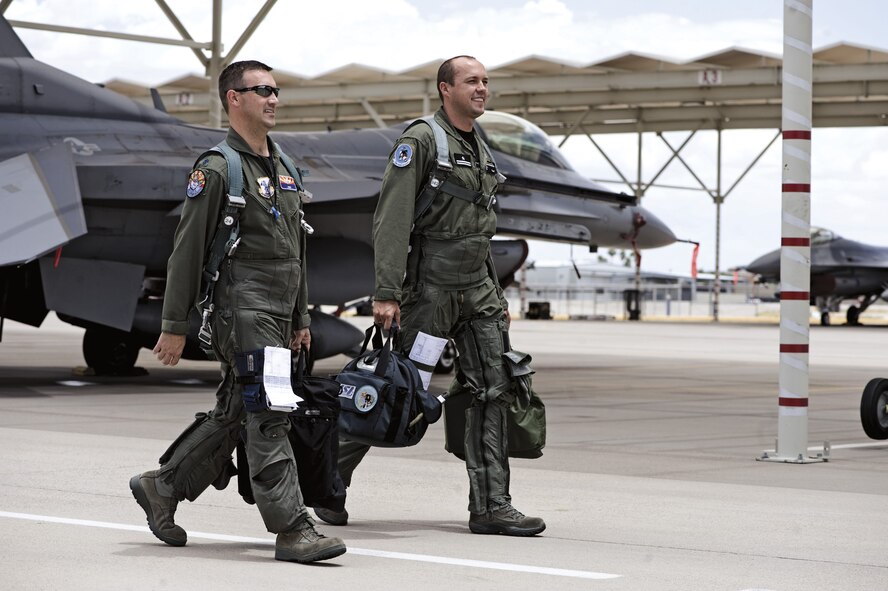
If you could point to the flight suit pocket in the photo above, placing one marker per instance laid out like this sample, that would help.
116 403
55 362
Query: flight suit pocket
254 330
269 285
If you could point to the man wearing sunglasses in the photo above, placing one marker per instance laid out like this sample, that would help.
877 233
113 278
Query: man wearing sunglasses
259 299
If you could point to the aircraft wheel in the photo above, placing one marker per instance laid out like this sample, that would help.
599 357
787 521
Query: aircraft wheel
874 409
448 359
109 351
853 316
824 319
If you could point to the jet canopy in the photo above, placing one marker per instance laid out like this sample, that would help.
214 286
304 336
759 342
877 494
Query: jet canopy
520 138
822 235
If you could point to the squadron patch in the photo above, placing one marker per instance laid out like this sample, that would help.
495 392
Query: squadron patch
366 398
266 188
196 183
403 155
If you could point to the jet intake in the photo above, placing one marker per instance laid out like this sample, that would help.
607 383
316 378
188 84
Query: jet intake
41 206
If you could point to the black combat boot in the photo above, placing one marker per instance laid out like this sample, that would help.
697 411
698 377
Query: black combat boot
305 544
503 518
158 509
332 517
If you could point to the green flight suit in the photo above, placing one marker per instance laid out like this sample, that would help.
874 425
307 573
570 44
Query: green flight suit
437 270
260 297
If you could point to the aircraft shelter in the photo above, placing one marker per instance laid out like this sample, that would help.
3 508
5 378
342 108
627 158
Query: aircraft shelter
629 93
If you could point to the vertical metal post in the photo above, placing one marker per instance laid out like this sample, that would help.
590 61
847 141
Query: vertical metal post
718 211
522 291
214 69
426 105
639 193
795 251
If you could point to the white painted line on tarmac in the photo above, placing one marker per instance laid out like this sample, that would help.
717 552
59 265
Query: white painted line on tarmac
851 445
843 446
506 566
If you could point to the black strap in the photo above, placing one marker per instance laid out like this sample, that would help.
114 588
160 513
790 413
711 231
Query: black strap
397 411
454 189
222 242
382 353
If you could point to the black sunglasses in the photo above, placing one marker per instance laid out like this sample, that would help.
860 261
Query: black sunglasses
262 90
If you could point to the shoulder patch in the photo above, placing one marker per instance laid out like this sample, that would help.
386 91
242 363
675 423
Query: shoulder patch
196 183
402 155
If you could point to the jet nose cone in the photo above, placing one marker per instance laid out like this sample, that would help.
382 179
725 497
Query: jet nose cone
767 265
655 232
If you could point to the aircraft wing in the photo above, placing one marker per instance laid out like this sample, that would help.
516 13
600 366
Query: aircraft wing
41 205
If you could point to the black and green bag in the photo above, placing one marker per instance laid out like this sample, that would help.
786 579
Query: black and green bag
527 414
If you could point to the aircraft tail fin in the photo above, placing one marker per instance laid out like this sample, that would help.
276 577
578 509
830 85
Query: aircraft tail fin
10 43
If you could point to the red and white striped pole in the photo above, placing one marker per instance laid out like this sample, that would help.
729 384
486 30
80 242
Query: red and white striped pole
795 252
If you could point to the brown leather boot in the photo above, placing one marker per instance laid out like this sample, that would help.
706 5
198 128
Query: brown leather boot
158 509
505 519
304 544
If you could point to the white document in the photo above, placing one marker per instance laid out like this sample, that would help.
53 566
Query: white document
427 350
276 380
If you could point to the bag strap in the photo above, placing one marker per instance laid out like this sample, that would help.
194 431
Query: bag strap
385 354
301 362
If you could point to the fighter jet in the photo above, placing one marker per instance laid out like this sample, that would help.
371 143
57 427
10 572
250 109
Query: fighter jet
841 269
92 184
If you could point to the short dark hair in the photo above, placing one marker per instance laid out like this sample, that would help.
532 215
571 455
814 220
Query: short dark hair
233 77
446 73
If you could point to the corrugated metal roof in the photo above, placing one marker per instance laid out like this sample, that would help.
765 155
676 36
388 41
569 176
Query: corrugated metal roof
731 88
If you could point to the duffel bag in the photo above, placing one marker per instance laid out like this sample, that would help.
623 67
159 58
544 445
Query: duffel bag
381 396
526 417
314 437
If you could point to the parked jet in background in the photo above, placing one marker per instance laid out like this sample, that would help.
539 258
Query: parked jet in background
92 184
841 269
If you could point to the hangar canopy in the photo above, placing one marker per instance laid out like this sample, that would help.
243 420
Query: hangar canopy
632 92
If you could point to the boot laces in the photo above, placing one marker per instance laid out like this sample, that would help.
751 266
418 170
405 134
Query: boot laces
508 511
308 532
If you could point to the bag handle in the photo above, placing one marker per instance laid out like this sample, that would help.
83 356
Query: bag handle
385 354
382 349
300 361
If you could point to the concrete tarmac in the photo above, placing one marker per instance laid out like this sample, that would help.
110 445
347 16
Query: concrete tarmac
649 480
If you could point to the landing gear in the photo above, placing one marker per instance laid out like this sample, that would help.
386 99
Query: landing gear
874 409
109 351
853 316
448 359
827 305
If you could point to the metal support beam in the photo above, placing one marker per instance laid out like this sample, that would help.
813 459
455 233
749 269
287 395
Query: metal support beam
215 66
248 32
671 158
578 123
719 199
372 112
182 31
753 163
687 166
4 5
96 33
611 162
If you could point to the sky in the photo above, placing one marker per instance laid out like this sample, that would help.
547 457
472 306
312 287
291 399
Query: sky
849 166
